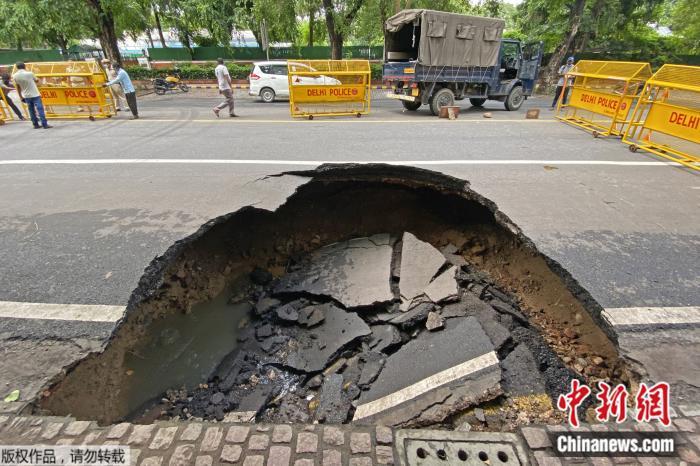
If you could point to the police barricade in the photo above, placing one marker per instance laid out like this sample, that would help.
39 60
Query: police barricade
73 89
328 87
6 112
666 119
601 95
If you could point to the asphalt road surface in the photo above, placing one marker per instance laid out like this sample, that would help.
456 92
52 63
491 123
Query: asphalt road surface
84 207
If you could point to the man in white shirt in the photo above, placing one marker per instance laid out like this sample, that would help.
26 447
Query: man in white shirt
25 82
225 89
563 69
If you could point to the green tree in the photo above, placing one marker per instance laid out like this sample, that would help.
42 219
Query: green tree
18 24
103 12
568 27
63 22
340 15
685 21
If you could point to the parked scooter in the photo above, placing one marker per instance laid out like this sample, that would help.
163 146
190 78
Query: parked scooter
171 82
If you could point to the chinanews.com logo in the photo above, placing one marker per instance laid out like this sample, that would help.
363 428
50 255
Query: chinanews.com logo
650 403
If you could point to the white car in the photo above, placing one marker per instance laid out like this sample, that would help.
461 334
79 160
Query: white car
268 79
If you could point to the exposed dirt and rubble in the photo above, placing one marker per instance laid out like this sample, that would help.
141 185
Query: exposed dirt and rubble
375 294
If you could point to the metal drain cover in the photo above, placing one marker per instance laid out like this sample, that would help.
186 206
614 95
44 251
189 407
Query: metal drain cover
442 448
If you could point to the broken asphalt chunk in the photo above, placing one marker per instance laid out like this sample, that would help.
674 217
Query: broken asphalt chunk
339 329
384 336
444 287
434 322
333 404
313 315
420 261
354 273
374 362
432 376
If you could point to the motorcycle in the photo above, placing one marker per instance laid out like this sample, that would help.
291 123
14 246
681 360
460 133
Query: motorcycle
171 82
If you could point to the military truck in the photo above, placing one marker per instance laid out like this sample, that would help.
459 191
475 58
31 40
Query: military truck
434 58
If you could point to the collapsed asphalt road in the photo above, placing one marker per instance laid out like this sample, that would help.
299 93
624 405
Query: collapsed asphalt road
398 255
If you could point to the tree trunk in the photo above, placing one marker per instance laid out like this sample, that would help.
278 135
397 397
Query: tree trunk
149 37
19 45
156 15
335 35
336 50
558 56
312 17
107 34
63 45
336 46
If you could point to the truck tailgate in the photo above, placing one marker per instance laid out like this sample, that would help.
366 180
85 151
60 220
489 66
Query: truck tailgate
399 71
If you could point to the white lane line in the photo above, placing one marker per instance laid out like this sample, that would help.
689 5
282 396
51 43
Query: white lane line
78 312
653 315
429 383
315 163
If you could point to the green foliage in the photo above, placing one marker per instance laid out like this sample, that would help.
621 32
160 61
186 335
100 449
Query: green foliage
607 28
685 20
376 69
188 71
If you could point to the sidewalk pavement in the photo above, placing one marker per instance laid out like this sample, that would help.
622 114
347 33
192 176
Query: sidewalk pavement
209 443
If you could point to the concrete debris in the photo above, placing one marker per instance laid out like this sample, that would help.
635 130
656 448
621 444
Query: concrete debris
420 261
265 304
333 404
451 253
374 363
313 315
304 354
315 381
444 287
520 373
354 273
384 337
414 316
421 360
287 313
434 322
312 354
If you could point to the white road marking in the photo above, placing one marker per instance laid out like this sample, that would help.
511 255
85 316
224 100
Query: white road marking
315 163
653 315
345 121
429 383
76 312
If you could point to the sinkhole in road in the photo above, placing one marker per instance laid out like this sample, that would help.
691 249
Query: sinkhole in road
374 294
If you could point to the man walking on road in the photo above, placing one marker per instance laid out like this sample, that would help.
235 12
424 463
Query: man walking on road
25 82
563 69
225 89
124 80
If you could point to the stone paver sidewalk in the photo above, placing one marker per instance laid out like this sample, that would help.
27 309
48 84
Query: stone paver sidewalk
209 443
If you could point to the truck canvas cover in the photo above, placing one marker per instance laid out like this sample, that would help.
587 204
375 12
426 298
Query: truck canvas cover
449 39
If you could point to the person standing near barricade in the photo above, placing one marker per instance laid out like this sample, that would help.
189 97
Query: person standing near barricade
5 88
563 69
25 82
224 79
119 97
124 80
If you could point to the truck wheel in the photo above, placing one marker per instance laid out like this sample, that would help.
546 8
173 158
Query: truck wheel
442 98
476 102
412 106
515 98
